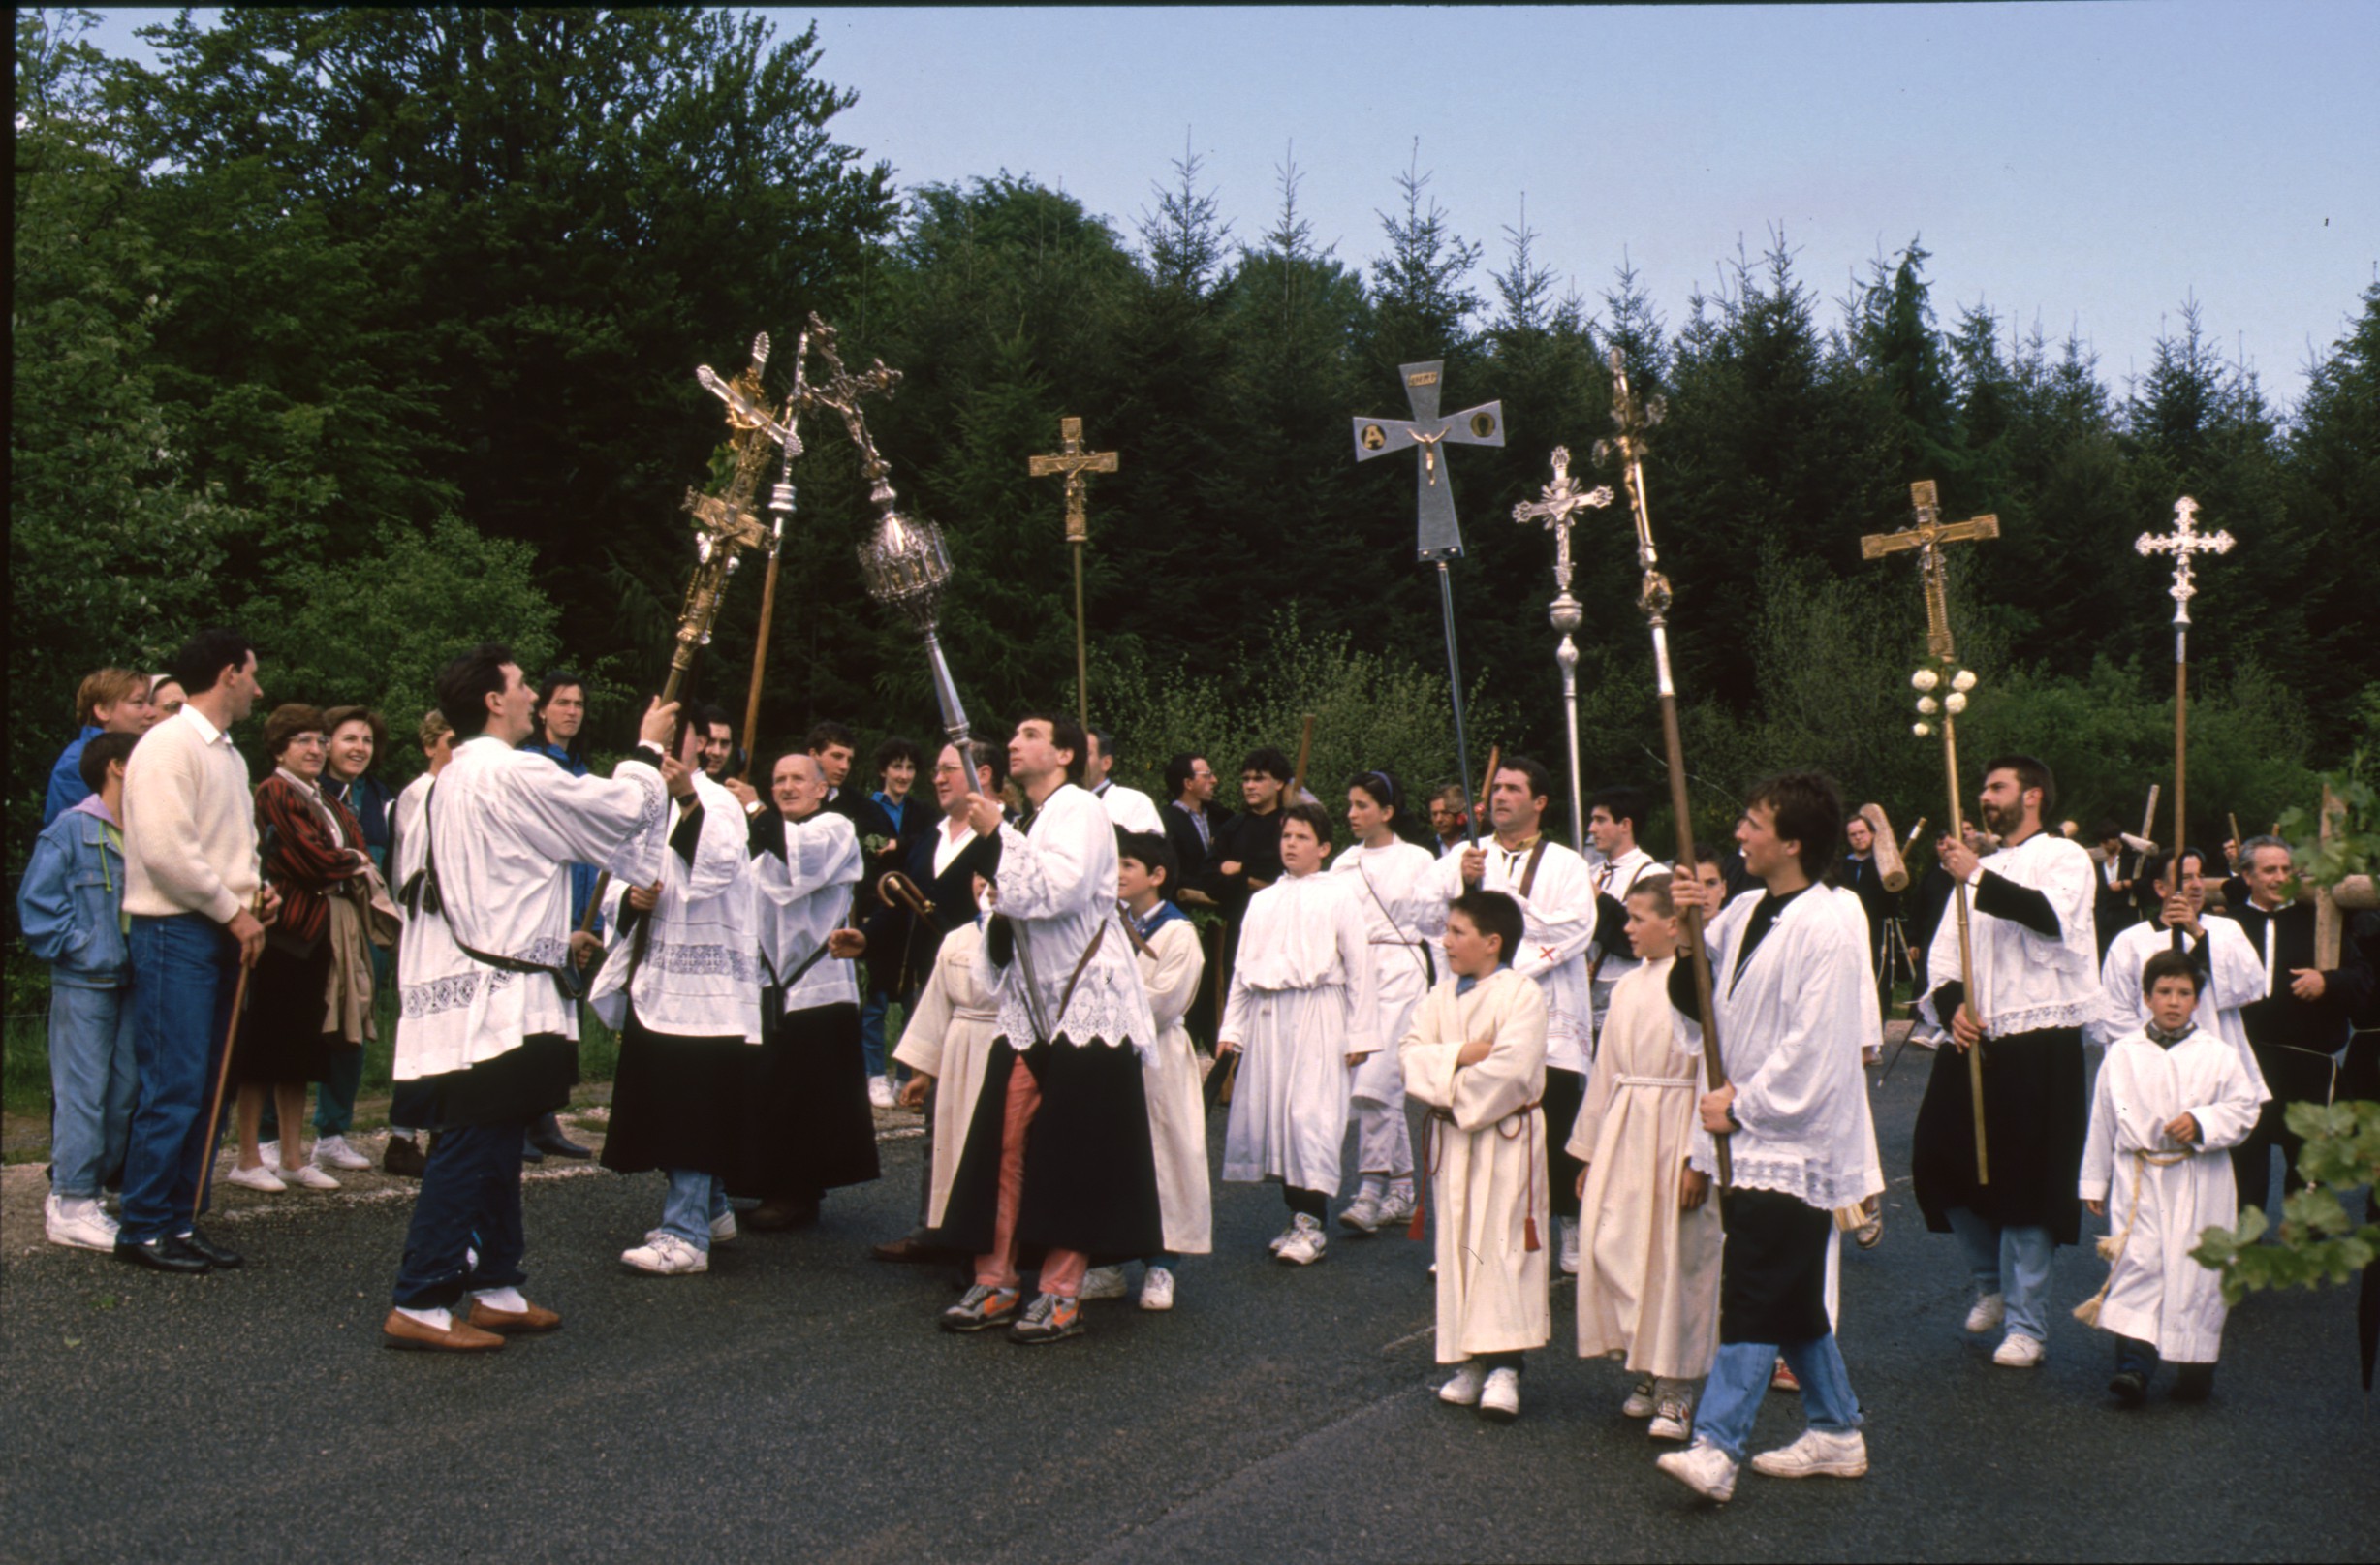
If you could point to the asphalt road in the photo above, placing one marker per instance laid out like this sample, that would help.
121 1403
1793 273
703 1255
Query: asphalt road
796 1401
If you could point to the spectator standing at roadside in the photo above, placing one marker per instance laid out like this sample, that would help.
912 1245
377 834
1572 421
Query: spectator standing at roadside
112 700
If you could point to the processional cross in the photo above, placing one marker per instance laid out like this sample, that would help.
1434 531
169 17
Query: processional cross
1557 505
1928 536
725 524
1077 464
2184 540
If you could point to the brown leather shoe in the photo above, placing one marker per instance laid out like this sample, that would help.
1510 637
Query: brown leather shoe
402 1331
779 1212
513 1322
909 1249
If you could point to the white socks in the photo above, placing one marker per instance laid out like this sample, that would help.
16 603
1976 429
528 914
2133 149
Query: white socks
437 1320
507 1299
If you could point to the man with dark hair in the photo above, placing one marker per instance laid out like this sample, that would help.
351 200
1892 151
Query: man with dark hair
1791 982
2114 907
720 757
2036 963
1556 894
1860 875
833 745
1131 809
891 824
1450 815
485 1019
1615 820
1246 856
1192 818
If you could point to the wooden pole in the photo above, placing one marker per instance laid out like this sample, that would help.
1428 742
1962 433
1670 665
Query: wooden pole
1966 950
1714 1072
1083 667
2182 751
223 1071
760 658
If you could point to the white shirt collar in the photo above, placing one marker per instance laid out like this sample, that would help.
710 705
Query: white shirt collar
208 733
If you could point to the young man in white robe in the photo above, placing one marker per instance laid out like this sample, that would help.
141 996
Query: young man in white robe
1614 820
1475 1058
2172 1098
1172 964
410 1104
1131 809
2036 962
1403 917
1058 1154
1301 1015
1555 889
1648 1273
2231 972
1788 974
810 1125
484 1017
684 996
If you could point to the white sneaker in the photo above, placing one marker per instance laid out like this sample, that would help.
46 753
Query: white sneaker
1673 1411
1282 1238
1707 1470
1157 1289
1568 1228
2020 1351
1103 1283
1816 1454
78 1221
723 1229
271 1152
1396 1206
880 1091
261 1177
1501 1398
1305 1243
1465 1388
666 1255
1363 1214
1640 1403
311 1177
1989 1311
333 1152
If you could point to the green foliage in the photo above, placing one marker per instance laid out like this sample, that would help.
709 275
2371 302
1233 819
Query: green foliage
2319 1241
2354 847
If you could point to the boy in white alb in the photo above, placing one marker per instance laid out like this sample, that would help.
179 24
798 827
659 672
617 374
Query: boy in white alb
1172 965
1405 915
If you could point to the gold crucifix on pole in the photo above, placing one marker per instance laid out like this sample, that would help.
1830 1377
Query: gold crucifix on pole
1072 460
1928 536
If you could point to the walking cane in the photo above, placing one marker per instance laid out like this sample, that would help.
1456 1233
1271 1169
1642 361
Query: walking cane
223 1071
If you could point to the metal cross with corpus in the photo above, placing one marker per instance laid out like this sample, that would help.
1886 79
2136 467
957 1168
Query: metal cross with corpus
725 524
1440 538
1557 507
1075 463
2184 540
1928 536
842 392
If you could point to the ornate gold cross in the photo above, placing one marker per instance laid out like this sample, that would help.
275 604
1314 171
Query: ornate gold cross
1928 536
1072 460
753 436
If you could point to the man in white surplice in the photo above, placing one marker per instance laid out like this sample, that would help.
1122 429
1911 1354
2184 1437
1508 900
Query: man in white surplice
1555 889
483 1018
2230 973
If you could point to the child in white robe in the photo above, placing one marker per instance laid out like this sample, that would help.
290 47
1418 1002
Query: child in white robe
947 1041
1405 913
1475 1056
2171 1097
1648 1283
1300 1011
1172 965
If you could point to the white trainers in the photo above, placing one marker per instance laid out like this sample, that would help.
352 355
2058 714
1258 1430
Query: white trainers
1673 1411
1103 1283
1305 1243
1707 1470
1157 1289
1640 1403
666 1255
1568 1228
309 1176
880 1091
1989 1311
271 1152
2020 1351
261 1177
1818 1453
1465 1388
723 1229
1363 1214
333 1152
1500 1397
78 1221
1396 1206
1282 1238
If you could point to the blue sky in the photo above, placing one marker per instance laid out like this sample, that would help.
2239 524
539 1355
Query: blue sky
2085 166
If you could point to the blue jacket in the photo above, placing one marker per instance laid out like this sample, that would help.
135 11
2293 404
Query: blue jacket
71 903
66 789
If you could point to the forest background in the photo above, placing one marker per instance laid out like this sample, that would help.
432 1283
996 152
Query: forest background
373 333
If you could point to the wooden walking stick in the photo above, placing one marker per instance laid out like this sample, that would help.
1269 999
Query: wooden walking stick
1306 754
230 1038
1928 536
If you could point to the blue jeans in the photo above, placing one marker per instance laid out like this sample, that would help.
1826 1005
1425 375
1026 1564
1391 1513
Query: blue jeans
94 1085
695 1201
2011 1262
470 1201
872 1032
1739 1378
184 968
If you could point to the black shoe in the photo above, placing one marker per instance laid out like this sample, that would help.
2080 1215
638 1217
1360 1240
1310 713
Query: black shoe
214 1255
162 1255
546 1136
2193 1383
530 1152
403 1158
2129 1387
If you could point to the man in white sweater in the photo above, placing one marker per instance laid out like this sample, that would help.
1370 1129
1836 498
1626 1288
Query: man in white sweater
191 886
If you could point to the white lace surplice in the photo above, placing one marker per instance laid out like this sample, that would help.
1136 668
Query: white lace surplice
700 976
2236 980
802 897
1057 886
2024 981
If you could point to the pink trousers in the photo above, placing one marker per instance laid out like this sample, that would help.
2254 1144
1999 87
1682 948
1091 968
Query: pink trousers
1062 1270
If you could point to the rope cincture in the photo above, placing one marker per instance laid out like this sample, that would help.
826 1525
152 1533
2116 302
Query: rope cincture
2112 1248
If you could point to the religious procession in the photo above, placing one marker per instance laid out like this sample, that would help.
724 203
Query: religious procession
748 992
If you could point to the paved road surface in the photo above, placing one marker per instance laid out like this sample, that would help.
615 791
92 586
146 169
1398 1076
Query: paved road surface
797 1402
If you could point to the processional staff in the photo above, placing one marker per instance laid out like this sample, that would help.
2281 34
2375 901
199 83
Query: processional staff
1075 463
1440 536
2183 542
1630 419
1557 505
1928 536
745 414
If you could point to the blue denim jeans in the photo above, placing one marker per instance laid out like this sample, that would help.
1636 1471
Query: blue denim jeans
2011 1262
94 1085
872 1032
184 969
1739 1378
694 1201
470 1202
